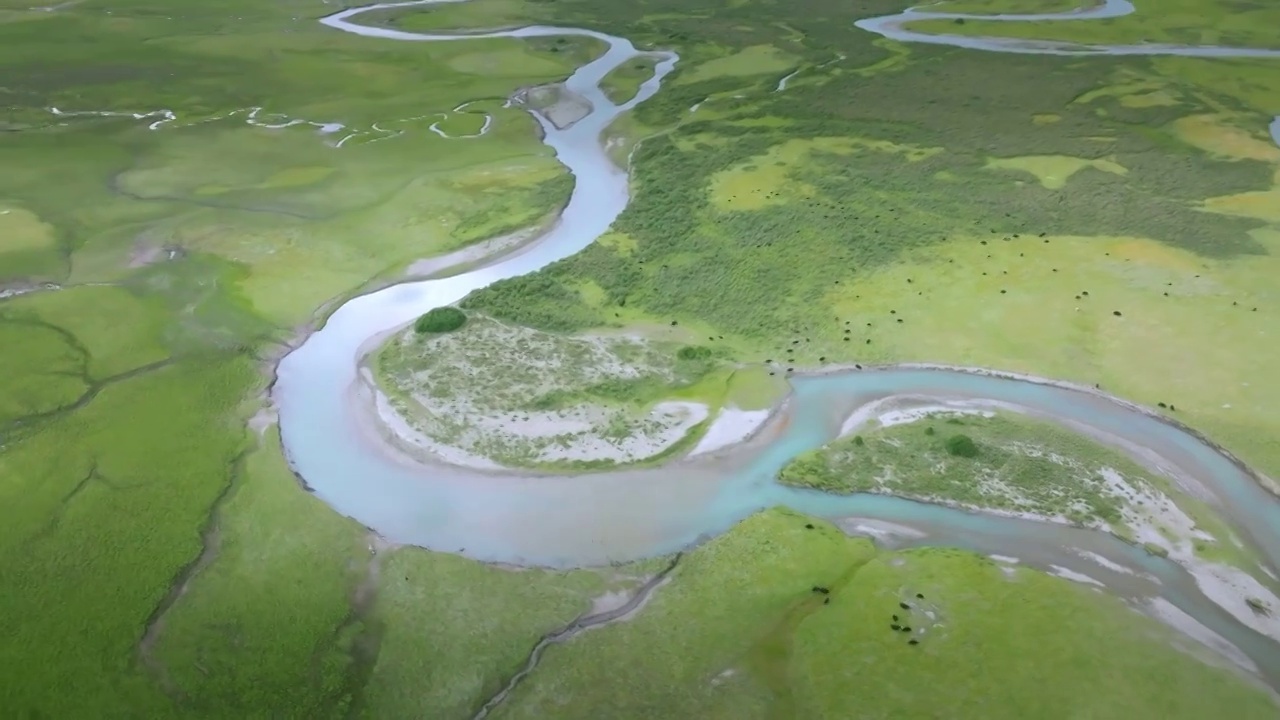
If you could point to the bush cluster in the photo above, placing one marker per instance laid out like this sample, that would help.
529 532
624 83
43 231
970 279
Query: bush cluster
440 320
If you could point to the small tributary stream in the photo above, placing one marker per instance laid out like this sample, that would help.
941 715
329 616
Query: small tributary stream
631 514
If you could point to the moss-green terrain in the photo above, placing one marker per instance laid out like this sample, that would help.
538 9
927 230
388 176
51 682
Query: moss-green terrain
160 560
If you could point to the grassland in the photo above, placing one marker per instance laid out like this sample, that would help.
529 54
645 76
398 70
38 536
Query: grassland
1190 22
158 558
807 226
739 633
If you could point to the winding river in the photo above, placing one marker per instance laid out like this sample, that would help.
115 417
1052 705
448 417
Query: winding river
630 514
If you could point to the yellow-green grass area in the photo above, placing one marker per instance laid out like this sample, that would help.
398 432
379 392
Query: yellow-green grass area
1015 464
1053 171
739 633
1253 83
751 60
1227 136
29 247
623 82
768 180
524 397
1193 22
1158 324
755 388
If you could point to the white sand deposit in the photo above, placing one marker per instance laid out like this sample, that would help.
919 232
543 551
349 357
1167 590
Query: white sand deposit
731 426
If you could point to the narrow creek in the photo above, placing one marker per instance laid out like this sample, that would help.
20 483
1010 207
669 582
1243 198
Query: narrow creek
634 513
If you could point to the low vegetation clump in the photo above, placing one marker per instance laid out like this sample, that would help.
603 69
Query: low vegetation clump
440 320
959 445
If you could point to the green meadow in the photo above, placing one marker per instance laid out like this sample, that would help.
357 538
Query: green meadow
159 559
739 632
1191 22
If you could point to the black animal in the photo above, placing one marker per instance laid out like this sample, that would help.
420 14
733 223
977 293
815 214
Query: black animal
822 590
920 595
904 606
913 641
895 618
906 628
808 526
826 601
895 626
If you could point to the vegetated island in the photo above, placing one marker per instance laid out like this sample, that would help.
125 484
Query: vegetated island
1005 463
467 389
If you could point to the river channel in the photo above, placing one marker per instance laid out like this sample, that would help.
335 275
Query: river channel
631 514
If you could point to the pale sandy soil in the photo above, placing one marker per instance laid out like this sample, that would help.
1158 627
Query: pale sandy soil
1072 575
560 105
1170 614
731 426
475 254
877 529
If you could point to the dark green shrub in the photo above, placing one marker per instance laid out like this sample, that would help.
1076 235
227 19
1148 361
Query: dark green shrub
440 320
962 446
928 430
857 440
694 352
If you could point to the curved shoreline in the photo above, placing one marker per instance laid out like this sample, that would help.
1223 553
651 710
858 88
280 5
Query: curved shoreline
562 521
893 28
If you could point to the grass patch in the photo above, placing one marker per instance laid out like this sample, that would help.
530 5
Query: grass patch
739 633
755 388
1053 171
623 82
753 60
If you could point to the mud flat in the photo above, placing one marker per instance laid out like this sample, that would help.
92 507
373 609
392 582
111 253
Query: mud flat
561 106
